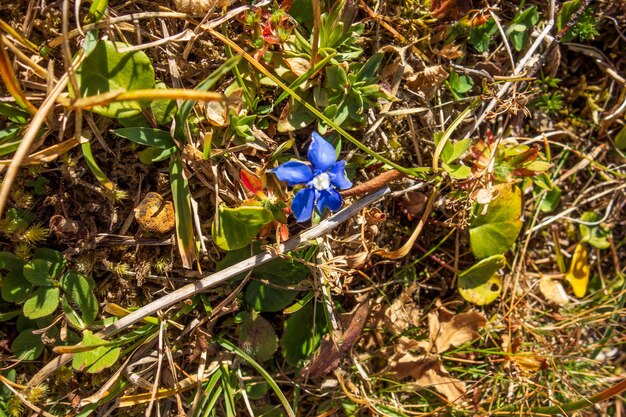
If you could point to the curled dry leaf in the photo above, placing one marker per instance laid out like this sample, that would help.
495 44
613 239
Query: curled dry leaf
154 214
553 290
427 80
402 313
447 330
67 229
426 370
357 260
527 363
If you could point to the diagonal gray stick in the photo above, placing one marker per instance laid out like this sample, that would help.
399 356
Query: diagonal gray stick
212 280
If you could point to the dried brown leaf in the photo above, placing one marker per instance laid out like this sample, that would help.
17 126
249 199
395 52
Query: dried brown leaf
447 330
427 371
402 313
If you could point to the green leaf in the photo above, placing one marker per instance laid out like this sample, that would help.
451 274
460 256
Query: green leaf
303 332
72 315
96 11
185 238
27 346
10 262
94 167
567 10
43 302
37 272
268 298
80 289
10 315
620 139
146 136
98 358
551 200
54 257
257 337
163 110
105 70
521 27
15 288
460 84
494 232
597 236
480 36
457 172
451 152
481 284
9 140
238 226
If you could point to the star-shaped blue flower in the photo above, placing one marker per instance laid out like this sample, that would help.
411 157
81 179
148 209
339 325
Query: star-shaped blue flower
322 179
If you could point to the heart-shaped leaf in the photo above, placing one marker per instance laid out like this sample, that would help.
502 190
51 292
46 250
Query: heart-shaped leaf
481 284
106 69
493 232
238 226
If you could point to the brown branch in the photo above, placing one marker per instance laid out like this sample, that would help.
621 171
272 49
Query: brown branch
374 184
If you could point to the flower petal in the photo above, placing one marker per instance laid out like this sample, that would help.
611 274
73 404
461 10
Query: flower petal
293 172
338 176
329 199
321 153
302 204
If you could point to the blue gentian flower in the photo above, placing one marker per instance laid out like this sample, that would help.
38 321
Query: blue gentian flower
321 179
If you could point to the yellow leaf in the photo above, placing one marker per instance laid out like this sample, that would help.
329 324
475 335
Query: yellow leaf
578 275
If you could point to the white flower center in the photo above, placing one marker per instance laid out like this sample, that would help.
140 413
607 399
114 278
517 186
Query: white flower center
321 182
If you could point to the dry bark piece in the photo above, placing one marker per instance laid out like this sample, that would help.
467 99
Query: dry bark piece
154 214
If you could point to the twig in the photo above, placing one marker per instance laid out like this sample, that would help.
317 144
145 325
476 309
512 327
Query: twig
374 184
212 280
520 66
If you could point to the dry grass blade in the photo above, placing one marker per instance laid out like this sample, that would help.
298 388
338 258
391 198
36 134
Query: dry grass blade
10 80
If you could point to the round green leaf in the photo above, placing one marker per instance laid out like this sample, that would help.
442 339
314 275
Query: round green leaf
238 226
481 284
37 272
105 70
15 288
42 302
27 346
257 337
495 231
